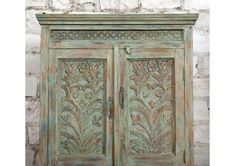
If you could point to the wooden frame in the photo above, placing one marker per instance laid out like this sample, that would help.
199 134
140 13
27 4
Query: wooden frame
50 22
43 132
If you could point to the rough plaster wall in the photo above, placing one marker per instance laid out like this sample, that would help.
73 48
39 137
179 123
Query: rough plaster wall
200 59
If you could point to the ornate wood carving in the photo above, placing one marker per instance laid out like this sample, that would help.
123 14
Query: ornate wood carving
151 106
72 121
117 35
82 104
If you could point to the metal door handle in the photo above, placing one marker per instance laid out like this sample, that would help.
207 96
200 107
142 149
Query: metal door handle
121 97
110 107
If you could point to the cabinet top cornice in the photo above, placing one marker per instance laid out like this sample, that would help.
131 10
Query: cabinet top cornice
125 19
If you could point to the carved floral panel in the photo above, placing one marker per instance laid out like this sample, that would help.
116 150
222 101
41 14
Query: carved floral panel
151 106
82 106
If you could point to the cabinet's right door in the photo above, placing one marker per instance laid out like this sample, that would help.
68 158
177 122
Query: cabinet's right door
152 118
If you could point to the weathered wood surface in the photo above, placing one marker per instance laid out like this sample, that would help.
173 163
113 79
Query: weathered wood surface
71 19
80 84
109 44
86 60
152 122
188 35
43 134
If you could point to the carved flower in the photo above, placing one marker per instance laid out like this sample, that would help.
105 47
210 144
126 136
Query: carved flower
74 92
145 92
159 92
83 67
152 65
164 65
88 94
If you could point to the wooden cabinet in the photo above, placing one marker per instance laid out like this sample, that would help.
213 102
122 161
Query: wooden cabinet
116 90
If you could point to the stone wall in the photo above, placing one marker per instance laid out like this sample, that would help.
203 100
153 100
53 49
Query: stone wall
200 59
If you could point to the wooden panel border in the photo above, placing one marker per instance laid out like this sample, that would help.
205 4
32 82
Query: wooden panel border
73 44
43 134
189 146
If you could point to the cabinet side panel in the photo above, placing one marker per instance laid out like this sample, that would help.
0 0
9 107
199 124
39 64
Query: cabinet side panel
43 97
188 96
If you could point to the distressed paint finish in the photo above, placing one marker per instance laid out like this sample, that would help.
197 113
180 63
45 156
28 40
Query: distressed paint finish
152 121
43 134
80 129
188 35
109 19
87 59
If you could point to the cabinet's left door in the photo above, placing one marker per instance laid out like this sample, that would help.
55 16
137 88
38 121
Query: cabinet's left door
80 125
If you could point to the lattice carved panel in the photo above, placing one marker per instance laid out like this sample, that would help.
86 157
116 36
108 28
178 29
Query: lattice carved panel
117 35
151 106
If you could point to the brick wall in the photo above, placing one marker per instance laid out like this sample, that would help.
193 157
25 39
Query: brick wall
200 59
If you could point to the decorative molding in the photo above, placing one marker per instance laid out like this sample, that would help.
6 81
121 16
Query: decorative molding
117 19
82 103
151 110
117 35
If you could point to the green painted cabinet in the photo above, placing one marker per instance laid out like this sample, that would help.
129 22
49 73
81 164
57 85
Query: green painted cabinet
116 90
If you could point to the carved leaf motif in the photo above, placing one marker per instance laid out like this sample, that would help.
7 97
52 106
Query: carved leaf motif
135 119
81 117
151 102
157 76
96 121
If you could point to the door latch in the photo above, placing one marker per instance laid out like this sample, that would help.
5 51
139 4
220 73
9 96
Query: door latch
128 50
121 97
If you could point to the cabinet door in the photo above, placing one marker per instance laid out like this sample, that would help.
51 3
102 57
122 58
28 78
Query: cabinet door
80 83
152 118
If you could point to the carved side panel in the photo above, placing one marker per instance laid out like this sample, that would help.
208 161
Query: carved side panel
151 106
81 118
